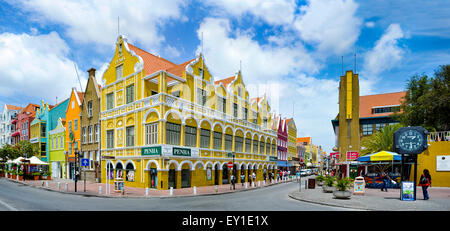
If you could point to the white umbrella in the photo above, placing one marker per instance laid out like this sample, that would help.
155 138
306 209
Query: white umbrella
35 160
18 160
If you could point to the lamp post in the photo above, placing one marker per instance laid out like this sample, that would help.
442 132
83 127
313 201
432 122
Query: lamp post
233 171
77 154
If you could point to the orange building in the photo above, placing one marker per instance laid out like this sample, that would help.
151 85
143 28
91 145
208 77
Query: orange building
73 130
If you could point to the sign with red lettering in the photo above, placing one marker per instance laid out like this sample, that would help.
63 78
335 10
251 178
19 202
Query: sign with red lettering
352 155
334 155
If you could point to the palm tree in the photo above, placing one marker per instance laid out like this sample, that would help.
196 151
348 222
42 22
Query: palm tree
382 140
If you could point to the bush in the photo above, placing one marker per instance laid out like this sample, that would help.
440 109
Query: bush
320 178
343 184
329 181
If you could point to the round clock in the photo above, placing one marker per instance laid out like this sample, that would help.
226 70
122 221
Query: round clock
410 140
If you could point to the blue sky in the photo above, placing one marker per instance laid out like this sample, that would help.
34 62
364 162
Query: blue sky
290 50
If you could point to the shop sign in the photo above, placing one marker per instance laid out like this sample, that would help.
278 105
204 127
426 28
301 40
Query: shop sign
273 158
352 155
149 151
334 155
181 151
34 140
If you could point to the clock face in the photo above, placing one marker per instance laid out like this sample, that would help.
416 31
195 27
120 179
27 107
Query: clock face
410 140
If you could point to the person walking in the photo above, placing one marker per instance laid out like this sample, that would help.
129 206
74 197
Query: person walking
242 178
254 177
425 182
385 178
232 181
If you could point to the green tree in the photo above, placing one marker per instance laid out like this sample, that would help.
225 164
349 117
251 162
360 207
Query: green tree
26 149
8 152
382 140
427 101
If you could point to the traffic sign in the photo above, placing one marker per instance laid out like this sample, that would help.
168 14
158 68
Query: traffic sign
85 162
230 164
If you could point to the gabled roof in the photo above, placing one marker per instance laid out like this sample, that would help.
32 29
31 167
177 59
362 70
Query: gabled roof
152 63
225 81
304 139
12 107
29 108
178 69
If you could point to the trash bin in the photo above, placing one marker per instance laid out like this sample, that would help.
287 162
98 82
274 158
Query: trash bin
359 186
311 183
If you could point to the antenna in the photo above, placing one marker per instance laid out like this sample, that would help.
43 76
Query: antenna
118 26
342 65
76 71
355 62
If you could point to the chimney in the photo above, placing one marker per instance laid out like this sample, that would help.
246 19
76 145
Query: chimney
91 72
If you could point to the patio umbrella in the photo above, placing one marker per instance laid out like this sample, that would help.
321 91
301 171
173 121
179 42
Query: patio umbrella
37 161
380 156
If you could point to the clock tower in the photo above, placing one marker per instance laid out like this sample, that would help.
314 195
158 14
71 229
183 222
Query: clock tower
348 131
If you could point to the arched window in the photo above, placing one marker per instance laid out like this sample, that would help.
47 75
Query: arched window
130 172
119 170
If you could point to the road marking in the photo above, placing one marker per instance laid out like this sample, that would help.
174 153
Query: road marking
8 206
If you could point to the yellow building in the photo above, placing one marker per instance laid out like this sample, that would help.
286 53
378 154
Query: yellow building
167 125
292 143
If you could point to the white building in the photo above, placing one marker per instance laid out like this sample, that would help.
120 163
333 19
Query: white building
7 128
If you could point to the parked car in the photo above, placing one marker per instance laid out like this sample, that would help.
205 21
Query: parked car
303 172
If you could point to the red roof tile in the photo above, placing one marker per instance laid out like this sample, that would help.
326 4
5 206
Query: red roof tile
152 63
367 102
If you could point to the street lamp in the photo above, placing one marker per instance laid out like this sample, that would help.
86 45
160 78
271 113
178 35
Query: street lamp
77 155
233 171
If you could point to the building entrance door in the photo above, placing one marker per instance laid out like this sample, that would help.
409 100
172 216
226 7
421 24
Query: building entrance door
216 175
172 178
153 178
185 178
225 174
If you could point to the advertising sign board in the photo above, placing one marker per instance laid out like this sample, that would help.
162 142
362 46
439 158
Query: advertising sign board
407 191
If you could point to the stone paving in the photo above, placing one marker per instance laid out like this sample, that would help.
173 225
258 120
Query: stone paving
99 189
377 200
373 199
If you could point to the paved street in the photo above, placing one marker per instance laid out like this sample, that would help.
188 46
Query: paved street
17 196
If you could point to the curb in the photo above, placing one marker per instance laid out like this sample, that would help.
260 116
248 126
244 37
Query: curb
143 197
328 204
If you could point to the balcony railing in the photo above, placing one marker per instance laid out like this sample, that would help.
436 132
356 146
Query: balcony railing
182 105
439 136
208 112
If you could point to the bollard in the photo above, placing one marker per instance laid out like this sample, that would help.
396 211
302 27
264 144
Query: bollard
259 183
253 184
66 187
146 192
264 183
246 184
100 190
123 191
195 190
217 188
46 184
59 186
171 191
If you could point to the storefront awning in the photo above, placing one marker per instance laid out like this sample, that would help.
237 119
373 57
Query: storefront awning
282 163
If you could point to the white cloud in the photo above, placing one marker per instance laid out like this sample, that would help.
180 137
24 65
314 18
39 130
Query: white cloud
386 53
37 66
369 24
277 69
87 21
275 12
224 49
331 25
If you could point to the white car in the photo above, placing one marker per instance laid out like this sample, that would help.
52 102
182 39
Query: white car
303 173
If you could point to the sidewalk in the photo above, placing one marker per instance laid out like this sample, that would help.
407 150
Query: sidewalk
377 200
93 189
